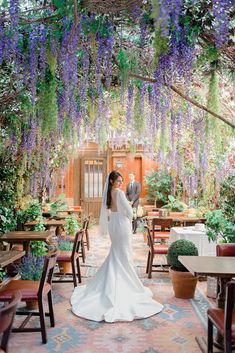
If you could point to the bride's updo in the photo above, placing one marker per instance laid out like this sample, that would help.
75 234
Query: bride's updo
112 177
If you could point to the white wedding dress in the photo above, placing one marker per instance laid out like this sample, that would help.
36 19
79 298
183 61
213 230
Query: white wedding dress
115 293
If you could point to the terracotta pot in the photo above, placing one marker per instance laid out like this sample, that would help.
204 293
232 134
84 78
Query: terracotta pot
65 267
184 284
32 305
145 237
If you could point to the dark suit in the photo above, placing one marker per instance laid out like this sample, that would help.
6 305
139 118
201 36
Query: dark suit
133 194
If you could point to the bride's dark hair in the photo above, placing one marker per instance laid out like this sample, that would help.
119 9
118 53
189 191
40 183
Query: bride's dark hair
112 177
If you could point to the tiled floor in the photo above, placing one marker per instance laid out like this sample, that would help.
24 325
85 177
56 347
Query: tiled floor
172 331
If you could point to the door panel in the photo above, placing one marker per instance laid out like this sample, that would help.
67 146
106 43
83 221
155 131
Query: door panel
93 174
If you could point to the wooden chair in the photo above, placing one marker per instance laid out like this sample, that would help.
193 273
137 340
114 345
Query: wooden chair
85 226
155 249
34 291
7 314
223 320
161 229
73 258
225 249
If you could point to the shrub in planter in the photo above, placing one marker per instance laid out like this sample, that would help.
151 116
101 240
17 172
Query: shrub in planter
180 247
184 283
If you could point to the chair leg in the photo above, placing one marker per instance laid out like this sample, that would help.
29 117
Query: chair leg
87 240
150 266
83 251
147 267
51 310
210 337
228 342
42 321
74 274
79 271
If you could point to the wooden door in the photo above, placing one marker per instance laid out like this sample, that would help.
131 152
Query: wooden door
93 175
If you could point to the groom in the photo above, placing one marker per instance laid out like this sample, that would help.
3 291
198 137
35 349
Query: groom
133 191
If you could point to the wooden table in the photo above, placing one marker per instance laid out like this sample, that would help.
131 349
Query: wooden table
179 219
24 237
7 257
57 223
222 267
71 211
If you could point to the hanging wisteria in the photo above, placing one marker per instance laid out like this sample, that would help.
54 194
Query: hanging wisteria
71 65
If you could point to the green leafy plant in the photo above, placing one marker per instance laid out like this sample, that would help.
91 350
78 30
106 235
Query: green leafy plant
39 227
7 220
38 248
227 198
175 205
2 275
72 225
180 247
59 205
159 185
218 227
33 211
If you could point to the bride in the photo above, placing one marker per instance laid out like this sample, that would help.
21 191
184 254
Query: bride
115 293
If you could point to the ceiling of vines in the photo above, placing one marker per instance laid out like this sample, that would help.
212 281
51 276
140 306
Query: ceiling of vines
124 72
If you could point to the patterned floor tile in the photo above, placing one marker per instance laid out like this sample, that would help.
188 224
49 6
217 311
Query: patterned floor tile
172 331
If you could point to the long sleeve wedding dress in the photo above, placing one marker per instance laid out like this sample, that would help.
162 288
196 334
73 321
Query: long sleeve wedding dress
116 293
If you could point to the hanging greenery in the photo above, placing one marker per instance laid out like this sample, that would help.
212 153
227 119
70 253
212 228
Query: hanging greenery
122 75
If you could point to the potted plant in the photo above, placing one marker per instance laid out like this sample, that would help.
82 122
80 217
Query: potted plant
65 245
184 283
30 269
159 185
175 205
31 266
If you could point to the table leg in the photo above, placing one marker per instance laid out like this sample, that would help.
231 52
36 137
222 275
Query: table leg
26 247
220 301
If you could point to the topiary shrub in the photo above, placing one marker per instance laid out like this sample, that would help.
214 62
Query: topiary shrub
180 247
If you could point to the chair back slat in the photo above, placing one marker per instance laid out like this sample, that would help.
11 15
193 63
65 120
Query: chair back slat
150 239
225 249
229 305
77 243
7 314
47 273
163 223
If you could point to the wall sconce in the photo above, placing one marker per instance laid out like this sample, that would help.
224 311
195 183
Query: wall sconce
119 164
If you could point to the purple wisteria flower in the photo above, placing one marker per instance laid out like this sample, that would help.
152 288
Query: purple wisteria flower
221 12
